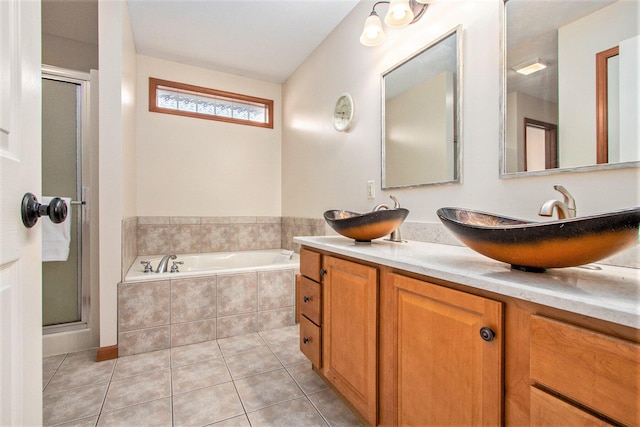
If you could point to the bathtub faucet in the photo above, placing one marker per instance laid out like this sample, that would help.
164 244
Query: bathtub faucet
162 267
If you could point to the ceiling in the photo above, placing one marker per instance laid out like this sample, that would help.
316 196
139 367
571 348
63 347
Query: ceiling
262 39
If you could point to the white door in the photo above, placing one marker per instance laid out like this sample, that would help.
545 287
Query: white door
20 248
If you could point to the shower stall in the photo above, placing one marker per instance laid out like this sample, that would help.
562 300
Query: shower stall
69 151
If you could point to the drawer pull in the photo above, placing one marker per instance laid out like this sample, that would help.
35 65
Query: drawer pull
305 299
487 334
323 271
305 340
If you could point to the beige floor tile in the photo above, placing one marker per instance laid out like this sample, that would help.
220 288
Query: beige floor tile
333 410
194 385
138 389
289 353
276 337
308 380
252 363
84 422
267 389
80 370
206 405
199 375
192 353
298 412
241 421
74 404
241 344
49 367
128 366
154 413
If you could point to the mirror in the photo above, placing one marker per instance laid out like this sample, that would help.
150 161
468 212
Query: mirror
580 110
420 116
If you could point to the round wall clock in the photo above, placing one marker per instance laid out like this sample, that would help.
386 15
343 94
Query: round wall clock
343 113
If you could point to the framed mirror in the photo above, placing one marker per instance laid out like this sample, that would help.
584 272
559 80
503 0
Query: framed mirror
421 120
571 78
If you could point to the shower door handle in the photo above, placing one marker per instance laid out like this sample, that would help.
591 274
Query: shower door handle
31 210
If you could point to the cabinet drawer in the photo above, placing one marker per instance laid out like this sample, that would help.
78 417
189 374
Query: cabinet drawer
310 264
547 410
310 300
596 370
310 343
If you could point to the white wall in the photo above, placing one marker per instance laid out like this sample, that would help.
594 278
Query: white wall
197 167
116 141
67 53
629 107
578 44
324 169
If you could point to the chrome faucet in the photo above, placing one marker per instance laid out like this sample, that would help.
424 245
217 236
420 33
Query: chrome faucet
162 267
565 209
395 234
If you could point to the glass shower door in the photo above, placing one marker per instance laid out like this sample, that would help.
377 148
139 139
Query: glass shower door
62 177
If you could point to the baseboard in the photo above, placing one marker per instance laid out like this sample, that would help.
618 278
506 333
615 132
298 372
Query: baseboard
107 353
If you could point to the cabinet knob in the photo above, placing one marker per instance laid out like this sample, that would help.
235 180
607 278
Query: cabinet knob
323 271
305 340
487 334
305 299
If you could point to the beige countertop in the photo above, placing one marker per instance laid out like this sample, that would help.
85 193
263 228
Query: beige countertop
600 291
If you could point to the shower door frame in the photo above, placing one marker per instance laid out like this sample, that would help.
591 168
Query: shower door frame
79 208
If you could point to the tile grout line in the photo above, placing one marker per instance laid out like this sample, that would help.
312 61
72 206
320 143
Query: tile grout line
106 392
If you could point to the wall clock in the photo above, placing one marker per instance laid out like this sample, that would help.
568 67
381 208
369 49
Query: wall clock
343 113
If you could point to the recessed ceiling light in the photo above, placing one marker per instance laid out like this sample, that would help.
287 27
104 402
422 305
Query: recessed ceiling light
530 66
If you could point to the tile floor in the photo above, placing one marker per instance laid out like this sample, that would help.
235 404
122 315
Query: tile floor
259 379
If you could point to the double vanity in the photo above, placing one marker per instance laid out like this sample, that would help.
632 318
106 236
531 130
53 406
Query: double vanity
426 334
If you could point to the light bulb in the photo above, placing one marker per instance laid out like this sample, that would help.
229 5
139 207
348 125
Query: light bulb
399 14
372 34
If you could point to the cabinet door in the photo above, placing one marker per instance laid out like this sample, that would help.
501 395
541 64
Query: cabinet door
349 341
436 368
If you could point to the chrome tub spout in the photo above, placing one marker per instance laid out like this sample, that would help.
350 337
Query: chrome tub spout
162 267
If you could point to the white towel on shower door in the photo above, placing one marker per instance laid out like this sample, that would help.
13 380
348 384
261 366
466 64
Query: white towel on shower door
56 237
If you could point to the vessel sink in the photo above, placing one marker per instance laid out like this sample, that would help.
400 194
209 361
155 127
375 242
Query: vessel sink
364 227
535 246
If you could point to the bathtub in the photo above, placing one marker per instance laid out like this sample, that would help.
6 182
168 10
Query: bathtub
214 263
214 296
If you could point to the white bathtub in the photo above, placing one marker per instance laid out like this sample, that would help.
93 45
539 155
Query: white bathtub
214 263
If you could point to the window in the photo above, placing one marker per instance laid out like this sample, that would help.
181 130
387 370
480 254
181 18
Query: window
194 101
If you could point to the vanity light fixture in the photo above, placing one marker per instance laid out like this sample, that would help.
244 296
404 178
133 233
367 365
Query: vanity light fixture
529 67
400 14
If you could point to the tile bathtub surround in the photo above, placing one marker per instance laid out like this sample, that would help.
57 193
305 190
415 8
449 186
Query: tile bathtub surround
162 234
169 313
129 243
182 235
297 226
258 379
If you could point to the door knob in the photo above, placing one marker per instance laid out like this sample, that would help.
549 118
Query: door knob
31 210
487 334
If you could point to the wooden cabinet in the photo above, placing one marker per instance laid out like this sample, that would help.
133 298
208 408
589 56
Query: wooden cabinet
598 372
309 301
349 332
405 349
441 355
